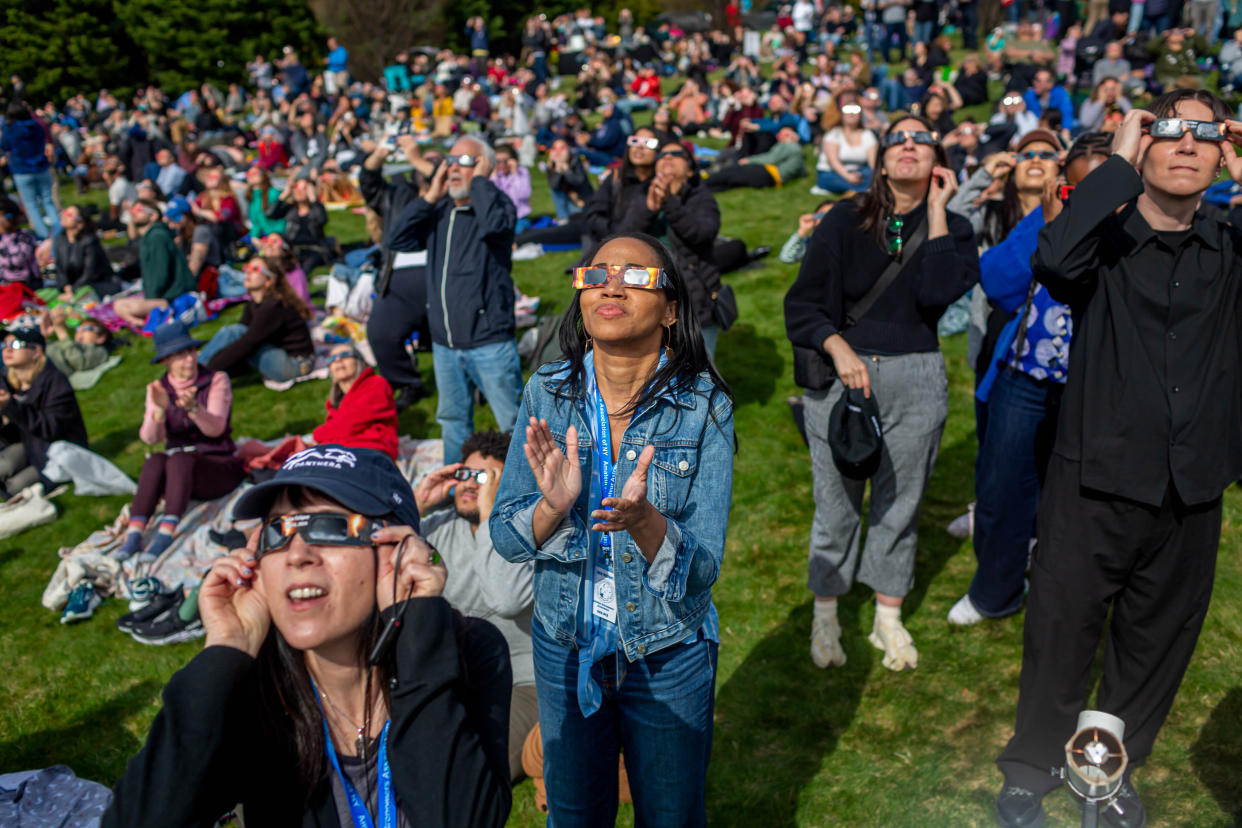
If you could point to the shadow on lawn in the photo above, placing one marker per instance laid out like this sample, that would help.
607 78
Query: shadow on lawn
94 744
750 363
114 443
1217 754
936 545
777 718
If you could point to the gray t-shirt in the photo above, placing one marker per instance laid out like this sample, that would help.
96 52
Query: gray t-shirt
363 780
484 585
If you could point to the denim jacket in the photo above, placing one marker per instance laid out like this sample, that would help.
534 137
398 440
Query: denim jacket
690 482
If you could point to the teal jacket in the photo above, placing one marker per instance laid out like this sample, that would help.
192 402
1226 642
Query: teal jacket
165 272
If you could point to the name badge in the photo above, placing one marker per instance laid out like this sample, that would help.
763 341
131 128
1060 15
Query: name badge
604 603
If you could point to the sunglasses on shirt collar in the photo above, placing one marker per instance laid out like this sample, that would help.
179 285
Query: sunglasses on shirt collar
1177 127
322 528
636 141
927 139
635 276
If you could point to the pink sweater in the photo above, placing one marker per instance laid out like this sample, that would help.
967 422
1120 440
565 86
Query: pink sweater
210 420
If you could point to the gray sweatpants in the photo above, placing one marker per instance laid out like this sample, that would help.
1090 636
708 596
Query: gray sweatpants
912 392
15 473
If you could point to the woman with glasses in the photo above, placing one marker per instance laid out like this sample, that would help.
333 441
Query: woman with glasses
619 488
37 408
625 188
362 412
273 336
847 153
80 258
85 347
188 410
900 229
337 687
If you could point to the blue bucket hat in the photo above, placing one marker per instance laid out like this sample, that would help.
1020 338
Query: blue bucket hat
173 338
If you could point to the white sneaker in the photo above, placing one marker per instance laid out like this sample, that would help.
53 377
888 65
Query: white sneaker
826 648
891 637
820 191
964 613
963 526
528 251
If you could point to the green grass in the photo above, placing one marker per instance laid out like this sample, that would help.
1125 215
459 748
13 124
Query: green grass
794 745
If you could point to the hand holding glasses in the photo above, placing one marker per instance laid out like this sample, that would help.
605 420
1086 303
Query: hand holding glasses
477 475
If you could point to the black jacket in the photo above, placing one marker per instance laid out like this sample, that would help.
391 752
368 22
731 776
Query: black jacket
209 748
40 416
469 259
80 263
270 322
573 180
387 198
689 222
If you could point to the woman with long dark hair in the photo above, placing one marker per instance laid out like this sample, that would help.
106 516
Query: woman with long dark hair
80 258
626 187
337 686
619 489
890 352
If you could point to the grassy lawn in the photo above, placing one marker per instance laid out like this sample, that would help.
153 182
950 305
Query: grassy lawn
794 745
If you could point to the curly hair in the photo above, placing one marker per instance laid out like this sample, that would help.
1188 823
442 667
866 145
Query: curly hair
494 444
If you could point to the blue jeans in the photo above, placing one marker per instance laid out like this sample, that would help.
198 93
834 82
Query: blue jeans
565 206
658 710
923 30
494 369
1014 451
35 190
272 362
834 182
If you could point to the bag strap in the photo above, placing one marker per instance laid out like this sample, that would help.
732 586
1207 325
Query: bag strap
1016 349
890 274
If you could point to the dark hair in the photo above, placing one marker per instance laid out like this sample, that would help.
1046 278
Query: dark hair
283 291
286 698
10 208
876 204
626 177
1089 143
687 359
17 111
1166 105
493 444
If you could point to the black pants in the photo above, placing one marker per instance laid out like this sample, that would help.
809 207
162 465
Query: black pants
740 175
397 314
1154 568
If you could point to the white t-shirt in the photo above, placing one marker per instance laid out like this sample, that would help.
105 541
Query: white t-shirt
804 15
122 191
853 158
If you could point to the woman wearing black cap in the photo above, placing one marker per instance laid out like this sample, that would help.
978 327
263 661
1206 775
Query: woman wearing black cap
890 350
337 687
188 410
37 408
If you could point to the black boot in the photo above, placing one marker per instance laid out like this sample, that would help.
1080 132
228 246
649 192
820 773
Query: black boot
407 395
1019 808
1126 811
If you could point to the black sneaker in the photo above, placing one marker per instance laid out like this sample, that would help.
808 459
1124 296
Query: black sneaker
1019 808
1126 811
168 628
407 395
156 606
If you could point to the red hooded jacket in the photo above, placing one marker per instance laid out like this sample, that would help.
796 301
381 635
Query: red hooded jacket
366 417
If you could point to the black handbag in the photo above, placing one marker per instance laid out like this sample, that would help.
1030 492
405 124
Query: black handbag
724 307
813 370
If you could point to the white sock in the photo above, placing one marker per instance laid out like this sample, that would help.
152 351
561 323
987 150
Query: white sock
825 610
885 614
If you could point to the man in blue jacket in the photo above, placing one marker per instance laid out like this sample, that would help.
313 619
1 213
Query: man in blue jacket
1045 93
27 150
607 143
466 225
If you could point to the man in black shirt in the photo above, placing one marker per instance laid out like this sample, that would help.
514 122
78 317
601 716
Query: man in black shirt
1147 441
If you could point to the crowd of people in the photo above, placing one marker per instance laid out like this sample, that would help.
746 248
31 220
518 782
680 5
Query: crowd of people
1075 229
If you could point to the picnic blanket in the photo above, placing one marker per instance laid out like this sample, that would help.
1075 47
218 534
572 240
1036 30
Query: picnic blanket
188 558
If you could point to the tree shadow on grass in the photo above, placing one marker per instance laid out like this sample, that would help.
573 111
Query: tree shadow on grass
750 363
777 718
945 499
114 443
1217 754
94 744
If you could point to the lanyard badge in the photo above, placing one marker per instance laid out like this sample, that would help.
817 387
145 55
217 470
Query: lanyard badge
604 584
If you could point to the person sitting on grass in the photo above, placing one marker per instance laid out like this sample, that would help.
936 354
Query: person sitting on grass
272 337
361 410
794 247
37 408
80 258
17 247
482 584
286 713
774 168
85 347
188 410
165 273
305 219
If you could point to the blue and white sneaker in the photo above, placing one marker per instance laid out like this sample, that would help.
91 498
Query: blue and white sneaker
82 603
143 590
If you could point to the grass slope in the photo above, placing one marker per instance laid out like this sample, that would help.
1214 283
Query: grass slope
794 745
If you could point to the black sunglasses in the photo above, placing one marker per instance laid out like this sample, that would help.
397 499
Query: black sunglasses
1042 155
479 475
1177 127
673 154
322 528
927 139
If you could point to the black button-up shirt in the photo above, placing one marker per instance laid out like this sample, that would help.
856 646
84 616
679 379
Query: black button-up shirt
1154 395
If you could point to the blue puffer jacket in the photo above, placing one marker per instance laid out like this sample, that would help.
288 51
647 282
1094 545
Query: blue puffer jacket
24 141
690 482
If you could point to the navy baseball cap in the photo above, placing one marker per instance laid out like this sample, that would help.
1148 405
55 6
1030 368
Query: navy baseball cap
365 481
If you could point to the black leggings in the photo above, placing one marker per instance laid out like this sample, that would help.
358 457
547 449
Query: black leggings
740 175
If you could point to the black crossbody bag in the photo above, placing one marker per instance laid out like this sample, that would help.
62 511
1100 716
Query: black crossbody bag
812 369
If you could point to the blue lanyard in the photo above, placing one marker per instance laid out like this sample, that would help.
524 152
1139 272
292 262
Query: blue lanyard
607 469
385 798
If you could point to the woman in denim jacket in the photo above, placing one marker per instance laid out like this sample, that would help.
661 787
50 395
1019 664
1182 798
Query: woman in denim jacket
625 634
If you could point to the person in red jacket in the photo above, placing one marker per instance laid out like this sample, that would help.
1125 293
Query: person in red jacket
647 84
361 410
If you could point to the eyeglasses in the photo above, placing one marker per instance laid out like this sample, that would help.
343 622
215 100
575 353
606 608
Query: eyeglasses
649 278
1011 100
851 109
674 154
18 345
649 143
477 475
323 528
895 223
1042 155
342 355
461 160
1177 127
927 139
